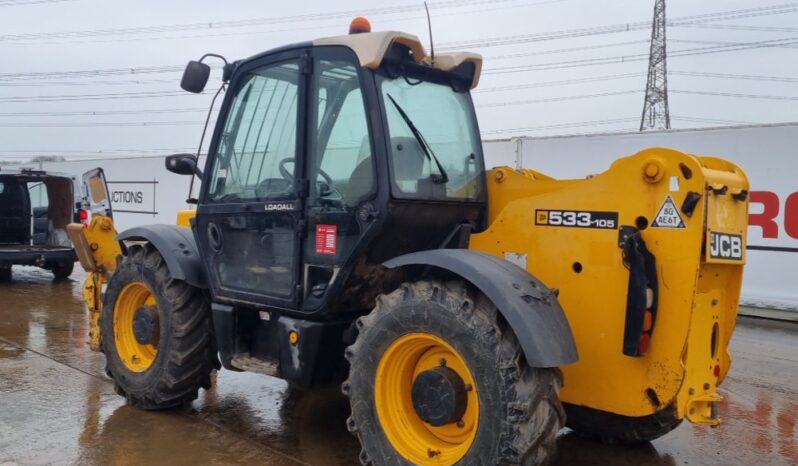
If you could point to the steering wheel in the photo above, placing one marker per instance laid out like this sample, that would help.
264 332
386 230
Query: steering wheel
289 177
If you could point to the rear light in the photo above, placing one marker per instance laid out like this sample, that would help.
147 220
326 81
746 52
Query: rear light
644 343
84 216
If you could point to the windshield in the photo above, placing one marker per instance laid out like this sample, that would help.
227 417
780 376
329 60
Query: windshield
434 147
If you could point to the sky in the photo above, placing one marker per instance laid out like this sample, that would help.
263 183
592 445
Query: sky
89 78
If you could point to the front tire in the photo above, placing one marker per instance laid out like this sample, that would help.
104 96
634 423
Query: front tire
157 334
512 412
62 270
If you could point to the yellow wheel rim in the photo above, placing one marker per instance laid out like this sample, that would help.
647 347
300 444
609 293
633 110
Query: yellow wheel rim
419 442
136 356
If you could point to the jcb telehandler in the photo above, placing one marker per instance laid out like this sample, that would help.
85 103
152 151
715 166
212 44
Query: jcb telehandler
347 232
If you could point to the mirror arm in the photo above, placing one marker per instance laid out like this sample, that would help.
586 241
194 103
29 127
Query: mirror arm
216 55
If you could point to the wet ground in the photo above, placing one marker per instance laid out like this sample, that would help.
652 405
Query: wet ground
58 407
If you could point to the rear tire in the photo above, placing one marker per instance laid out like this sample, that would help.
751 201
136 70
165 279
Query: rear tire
5 273
615 429
62 270
518 409
170 371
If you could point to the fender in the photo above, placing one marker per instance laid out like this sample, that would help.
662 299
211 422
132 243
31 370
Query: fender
531 308
178 248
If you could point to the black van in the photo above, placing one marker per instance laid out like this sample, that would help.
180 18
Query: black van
35 208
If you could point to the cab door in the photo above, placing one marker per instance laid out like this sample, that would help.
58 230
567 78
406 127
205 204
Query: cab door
249 218
342 170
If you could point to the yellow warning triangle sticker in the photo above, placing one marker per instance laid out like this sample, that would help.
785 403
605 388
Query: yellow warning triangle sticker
668 215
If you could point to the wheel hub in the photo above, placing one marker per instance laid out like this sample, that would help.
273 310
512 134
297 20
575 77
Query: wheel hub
146 326
439 396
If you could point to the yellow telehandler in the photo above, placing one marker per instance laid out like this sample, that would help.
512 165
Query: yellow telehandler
347 232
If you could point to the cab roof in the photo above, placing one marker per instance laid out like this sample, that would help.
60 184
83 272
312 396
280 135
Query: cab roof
371 48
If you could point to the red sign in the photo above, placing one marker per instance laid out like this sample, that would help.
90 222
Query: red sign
767 219
326 239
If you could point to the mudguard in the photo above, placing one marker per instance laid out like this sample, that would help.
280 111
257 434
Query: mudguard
531 308
178 248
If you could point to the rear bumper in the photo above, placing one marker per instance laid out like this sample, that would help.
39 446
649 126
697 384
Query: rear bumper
37 257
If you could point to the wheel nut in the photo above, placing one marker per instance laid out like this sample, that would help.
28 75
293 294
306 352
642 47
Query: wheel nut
460 424
442 362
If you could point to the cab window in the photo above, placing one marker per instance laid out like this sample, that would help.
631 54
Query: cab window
442 159
341 162
256 152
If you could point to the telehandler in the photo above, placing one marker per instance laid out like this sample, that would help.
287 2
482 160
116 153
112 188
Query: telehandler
347 232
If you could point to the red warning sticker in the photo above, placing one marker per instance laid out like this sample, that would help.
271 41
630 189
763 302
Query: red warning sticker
326 239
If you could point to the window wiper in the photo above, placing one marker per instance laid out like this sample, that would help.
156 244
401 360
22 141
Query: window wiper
443 177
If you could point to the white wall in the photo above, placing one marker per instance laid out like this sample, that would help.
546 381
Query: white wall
767 153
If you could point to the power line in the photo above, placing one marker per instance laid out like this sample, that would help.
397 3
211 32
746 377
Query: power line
618 59
781 79
102 123
104 156
102 112
566 50
557 99
93 73
726 43
564 82
618 28
250 22
113 96
739 96
260 31
45 83
740 27
711 120
88 151
563 125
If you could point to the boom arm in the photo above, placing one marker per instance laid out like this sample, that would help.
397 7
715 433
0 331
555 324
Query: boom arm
97 250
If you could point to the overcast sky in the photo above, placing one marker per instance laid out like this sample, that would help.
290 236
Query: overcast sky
534 82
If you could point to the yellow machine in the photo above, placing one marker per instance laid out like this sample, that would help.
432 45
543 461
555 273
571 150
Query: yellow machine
468 313
699 280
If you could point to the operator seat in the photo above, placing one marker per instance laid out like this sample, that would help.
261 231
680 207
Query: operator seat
407 163
361 181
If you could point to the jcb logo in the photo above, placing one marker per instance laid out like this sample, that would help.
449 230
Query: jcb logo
726 246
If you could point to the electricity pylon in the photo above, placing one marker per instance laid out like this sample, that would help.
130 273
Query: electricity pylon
656 114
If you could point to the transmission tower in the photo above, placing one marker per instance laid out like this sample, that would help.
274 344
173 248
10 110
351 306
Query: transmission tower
655 107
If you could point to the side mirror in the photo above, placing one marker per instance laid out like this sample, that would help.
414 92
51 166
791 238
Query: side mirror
183 164
195 77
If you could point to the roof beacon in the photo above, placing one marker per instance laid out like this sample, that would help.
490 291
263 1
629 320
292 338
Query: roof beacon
359 25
